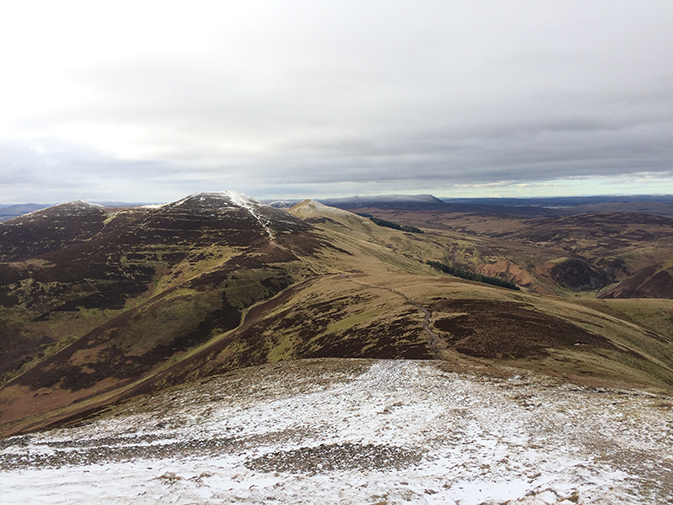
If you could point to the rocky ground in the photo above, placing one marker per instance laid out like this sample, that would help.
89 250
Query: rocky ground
355 431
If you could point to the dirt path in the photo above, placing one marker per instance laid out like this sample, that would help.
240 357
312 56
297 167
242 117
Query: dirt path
434 339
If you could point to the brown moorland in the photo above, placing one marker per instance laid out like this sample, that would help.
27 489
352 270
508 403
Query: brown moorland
141 299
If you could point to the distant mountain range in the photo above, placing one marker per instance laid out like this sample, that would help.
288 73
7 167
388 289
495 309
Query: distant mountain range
10 211
407 202
551 206
556 201
525 207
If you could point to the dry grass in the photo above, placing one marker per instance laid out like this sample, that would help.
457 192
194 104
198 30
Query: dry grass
359 290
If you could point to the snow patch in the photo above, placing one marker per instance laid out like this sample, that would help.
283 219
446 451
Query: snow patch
395 432
249 204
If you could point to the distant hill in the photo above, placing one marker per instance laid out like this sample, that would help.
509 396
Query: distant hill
11 211
525 207
566 201
401 202
654 281
15 210
558 206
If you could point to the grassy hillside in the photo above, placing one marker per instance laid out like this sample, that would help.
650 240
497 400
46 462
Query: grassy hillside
158 297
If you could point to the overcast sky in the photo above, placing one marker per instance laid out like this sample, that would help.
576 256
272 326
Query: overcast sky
150 101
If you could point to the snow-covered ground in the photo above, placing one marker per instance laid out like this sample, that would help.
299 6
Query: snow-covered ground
352 431
248 203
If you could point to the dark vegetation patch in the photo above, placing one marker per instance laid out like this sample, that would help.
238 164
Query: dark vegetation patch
499 329
112 296
16 348
49 230
7 298
306 243
73 284
397 338
578 275
606 230
316 317
619 219
8 275
390 224
472 276
321 220
236 228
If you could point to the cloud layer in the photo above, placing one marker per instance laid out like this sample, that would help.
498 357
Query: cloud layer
151 100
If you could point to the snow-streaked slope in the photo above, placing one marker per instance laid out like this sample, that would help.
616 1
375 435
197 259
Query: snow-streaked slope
355 431
250 205
222 203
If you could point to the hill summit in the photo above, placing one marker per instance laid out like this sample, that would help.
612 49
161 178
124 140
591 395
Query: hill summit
398 202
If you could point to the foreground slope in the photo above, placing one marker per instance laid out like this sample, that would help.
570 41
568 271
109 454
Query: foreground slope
216 282
352 432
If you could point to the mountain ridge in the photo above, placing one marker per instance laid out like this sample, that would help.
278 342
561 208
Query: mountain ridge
151 297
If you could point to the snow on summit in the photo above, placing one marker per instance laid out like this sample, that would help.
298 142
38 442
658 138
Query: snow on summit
216 204
214 197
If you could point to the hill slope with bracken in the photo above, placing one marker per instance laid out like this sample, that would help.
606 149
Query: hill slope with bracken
654 281
102 304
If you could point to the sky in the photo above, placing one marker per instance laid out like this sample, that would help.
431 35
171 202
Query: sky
148 101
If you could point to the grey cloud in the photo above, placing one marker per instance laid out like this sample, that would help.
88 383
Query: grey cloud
392 95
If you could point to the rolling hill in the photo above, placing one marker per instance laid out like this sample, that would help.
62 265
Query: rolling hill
99 304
